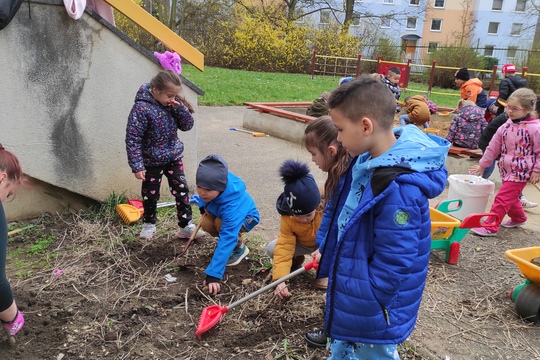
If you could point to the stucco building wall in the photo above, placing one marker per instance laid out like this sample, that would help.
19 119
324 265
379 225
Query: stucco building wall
67 89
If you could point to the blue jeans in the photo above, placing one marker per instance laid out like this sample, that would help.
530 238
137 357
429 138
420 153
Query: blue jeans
489 170
359 351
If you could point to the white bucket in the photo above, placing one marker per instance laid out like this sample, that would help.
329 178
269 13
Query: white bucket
474 191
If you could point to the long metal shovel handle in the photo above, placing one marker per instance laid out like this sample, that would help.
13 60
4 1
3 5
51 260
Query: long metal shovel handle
308 266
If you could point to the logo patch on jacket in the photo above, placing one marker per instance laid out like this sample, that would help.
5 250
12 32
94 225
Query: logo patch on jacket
401 218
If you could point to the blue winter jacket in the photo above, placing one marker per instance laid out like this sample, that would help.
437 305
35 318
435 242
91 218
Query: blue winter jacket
235 207
378 266
152 131
328 229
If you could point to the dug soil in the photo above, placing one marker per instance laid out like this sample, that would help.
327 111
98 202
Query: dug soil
90 289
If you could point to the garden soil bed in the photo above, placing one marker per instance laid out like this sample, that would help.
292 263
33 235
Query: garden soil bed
98 292
90 289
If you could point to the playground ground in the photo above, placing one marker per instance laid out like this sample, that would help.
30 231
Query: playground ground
100 293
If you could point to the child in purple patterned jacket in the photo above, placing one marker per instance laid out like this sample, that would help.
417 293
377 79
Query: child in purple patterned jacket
154 149
467 126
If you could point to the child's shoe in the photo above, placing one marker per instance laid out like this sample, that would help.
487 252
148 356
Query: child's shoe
316 338
483 232
237 255
185 232
16 325
526 203
511 224
322 283
148 231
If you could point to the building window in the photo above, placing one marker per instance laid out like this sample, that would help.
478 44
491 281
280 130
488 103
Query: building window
432 47
385 22
516 29
439 4
493 28
436 24
324 17
520 5
414 2
388 1
411 23
488 50
511 52
355 20
497 5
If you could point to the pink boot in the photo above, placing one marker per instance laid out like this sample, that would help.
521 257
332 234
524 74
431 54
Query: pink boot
16 325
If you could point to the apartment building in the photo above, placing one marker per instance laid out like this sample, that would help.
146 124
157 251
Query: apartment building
497 28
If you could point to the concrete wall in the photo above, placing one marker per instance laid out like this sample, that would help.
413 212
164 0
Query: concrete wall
67 89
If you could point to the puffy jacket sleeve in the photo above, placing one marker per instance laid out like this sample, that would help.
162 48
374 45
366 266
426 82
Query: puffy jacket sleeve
472 92
493 150
227 241
504 89
284 250
182 116
453 130
135 130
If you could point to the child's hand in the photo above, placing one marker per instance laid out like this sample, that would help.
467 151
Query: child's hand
173 103
141 175
213 288
282 291
476 170
535 178
316 255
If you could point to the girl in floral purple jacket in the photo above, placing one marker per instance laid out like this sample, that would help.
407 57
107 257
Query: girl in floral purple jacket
154 149
467 126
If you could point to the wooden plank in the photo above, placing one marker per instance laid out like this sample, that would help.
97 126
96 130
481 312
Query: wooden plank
168 37
456 150
272 109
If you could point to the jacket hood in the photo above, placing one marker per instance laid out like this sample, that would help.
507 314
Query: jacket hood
234 189
471 113
144 94
475 81
517 81
413 154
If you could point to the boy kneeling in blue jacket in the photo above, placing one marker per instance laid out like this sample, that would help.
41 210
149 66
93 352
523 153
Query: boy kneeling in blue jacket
229 211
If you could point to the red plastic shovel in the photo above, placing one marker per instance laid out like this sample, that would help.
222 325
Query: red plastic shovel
212 314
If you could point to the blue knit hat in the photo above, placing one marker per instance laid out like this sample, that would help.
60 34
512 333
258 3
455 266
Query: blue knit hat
301 191
212 173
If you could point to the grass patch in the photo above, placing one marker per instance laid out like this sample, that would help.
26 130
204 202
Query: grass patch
225 87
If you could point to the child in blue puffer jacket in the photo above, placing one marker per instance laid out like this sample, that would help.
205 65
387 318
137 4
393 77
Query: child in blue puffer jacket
228 210
377 266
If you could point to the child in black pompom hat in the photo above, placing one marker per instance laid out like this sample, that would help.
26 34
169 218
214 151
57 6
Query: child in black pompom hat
301 213
470 88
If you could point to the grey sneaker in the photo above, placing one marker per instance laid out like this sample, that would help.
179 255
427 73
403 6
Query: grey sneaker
185 233
527 204
237 255
148 231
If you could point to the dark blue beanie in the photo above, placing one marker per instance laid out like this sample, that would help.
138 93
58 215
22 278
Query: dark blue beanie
212 173
301 191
